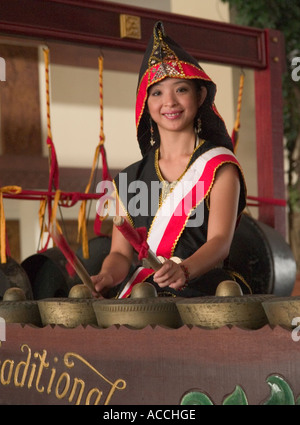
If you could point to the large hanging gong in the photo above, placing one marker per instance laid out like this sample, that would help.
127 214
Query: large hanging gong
99 248
48 274
12 274
262 256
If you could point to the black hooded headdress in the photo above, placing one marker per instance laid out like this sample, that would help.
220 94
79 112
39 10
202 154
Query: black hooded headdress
164 58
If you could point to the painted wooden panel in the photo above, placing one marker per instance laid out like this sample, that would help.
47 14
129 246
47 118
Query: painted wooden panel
150 366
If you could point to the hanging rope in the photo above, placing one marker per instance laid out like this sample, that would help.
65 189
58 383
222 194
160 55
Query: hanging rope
53 164
236 129
82 225
101 135
235 140
105 172
42 211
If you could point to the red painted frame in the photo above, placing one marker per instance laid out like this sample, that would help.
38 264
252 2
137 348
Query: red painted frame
96 23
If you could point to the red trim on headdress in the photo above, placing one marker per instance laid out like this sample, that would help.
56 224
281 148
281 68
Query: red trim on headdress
182 70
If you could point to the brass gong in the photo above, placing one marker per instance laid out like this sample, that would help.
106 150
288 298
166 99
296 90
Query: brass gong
143 308
14 308
227 307
72 311
283 311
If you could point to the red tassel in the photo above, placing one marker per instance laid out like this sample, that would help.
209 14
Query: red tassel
54 171
62 244
136 238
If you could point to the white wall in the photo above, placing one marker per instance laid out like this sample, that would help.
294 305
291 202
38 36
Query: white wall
221 75
75 115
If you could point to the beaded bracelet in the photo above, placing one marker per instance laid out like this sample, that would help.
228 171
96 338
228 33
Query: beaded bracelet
186 275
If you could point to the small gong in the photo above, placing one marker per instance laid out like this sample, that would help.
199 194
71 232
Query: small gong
14 308
143 308
283 311
72 311
228 307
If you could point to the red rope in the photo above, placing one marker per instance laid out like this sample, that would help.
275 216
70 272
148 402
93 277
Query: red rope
136 238
271 201
68 199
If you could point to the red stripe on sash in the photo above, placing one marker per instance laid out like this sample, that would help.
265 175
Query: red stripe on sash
140 277
178 219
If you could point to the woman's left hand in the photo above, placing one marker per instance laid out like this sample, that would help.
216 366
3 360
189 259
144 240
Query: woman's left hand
170 274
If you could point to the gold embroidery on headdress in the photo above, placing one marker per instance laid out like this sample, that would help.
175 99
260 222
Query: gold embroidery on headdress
162 54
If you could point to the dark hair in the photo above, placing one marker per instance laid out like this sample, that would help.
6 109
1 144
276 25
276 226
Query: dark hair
213 127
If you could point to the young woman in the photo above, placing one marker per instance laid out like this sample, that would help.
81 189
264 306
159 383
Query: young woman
188 190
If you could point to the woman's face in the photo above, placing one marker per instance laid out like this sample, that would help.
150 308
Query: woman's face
173 104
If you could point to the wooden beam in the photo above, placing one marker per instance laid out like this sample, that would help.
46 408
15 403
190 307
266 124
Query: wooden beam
98 23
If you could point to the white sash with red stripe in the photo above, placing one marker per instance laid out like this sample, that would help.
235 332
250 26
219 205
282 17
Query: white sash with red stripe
172 216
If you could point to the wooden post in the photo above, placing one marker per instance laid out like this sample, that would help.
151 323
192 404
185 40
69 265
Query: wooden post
269 132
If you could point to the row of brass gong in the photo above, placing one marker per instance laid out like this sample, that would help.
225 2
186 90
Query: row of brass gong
258 252
228 307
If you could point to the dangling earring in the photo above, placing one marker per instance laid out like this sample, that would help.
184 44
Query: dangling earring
198 125
152 141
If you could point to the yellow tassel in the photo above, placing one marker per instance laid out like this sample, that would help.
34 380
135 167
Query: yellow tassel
82 229
239 105
46 60
82 226
54 209
42 210
239 276
12 190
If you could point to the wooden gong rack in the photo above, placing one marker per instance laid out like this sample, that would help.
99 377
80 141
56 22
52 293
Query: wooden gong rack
155 365
125 30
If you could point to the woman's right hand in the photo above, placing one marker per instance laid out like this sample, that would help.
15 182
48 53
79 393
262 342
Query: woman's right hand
102 282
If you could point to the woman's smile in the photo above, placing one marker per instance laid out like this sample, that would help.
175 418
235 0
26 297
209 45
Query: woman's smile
173 104
172 115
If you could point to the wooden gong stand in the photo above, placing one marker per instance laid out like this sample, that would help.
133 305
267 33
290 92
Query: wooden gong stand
97 23
155 365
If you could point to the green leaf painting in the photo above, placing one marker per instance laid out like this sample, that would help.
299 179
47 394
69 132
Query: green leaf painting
281 394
